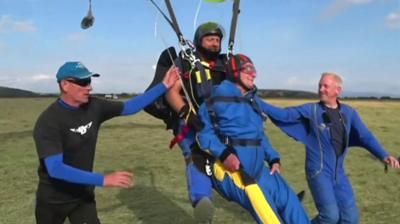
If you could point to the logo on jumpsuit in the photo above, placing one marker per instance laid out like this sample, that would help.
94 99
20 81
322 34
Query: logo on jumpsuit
82 129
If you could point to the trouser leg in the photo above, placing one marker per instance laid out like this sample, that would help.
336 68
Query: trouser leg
323 192
46 213
85 213
253 198
346 201
288 205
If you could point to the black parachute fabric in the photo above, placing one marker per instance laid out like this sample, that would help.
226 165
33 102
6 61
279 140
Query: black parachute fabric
160 107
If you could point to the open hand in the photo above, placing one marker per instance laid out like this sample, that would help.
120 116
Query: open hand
171 77
121 179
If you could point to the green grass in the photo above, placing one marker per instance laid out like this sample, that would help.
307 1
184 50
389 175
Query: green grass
140 144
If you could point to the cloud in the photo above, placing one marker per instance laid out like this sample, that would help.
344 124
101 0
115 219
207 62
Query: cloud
37 82
302 83
392 21
9 25
41 77
338 6
76 37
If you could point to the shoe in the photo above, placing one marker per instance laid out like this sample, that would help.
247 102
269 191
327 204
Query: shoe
204 211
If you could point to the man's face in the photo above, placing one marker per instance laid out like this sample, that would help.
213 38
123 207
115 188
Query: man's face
211 43
247 75
328 90
77 90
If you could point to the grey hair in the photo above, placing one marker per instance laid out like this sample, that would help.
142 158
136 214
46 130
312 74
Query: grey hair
338 79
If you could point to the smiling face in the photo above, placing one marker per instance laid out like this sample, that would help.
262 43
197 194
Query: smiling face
247 75
329 89
75 92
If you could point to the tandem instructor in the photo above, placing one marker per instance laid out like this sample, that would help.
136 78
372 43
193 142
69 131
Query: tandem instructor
65 135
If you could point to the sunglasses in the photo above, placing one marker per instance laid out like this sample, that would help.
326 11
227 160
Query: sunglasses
80 82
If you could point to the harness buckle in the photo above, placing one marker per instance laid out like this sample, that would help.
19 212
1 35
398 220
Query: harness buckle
226 140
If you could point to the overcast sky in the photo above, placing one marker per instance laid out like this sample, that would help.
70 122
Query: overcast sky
291 41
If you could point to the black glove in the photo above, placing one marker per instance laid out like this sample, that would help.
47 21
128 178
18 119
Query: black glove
192 120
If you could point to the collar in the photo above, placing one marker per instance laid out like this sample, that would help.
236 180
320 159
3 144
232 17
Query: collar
65 105
324 107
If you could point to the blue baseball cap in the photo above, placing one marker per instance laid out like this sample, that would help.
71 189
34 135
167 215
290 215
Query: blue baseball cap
74 69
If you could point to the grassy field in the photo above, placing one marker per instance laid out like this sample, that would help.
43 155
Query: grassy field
140 143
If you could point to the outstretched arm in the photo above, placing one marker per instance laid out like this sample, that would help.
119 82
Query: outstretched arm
294 121
289 114
57 169
361 136
135 104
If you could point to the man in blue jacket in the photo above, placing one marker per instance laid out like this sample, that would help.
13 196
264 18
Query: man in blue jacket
327 129
234 134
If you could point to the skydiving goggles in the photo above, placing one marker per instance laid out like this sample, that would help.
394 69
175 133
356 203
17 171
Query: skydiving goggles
248 69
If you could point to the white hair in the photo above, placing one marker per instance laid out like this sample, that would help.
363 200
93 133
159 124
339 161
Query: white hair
338 79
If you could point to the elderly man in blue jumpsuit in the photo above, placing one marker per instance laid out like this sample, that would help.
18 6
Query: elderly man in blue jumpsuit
327 129
234 134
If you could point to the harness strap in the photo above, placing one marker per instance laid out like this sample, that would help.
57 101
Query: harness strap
239 141
214 119
235 15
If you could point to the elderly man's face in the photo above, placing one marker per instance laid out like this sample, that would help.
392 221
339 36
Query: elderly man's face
328 89
247 75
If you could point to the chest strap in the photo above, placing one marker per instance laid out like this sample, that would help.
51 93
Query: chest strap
214 119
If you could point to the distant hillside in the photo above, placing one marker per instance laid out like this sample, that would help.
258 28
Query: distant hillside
11 92
280 93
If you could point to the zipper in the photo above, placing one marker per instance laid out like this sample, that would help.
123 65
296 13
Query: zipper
319 142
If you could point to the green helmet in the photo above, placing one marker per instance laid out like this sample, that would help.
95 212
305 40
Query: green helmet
208 28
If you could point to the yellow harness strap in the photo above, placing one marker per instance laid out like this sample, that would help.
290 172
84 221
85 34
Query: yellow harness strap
260 204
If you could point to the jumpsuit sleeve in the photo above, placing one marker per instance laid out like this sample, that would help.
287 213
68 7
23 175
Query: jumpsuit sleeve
271 155
293 121
361 136
289 114
208 137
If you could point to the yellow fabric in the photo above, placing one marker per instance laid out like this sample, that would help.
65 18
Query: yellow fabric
208 75
198 77
220 171
264 211
205 64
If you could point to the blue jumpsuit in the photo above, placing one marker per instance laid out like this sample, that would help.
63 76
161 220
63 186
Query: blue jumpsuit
328 182
240 120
